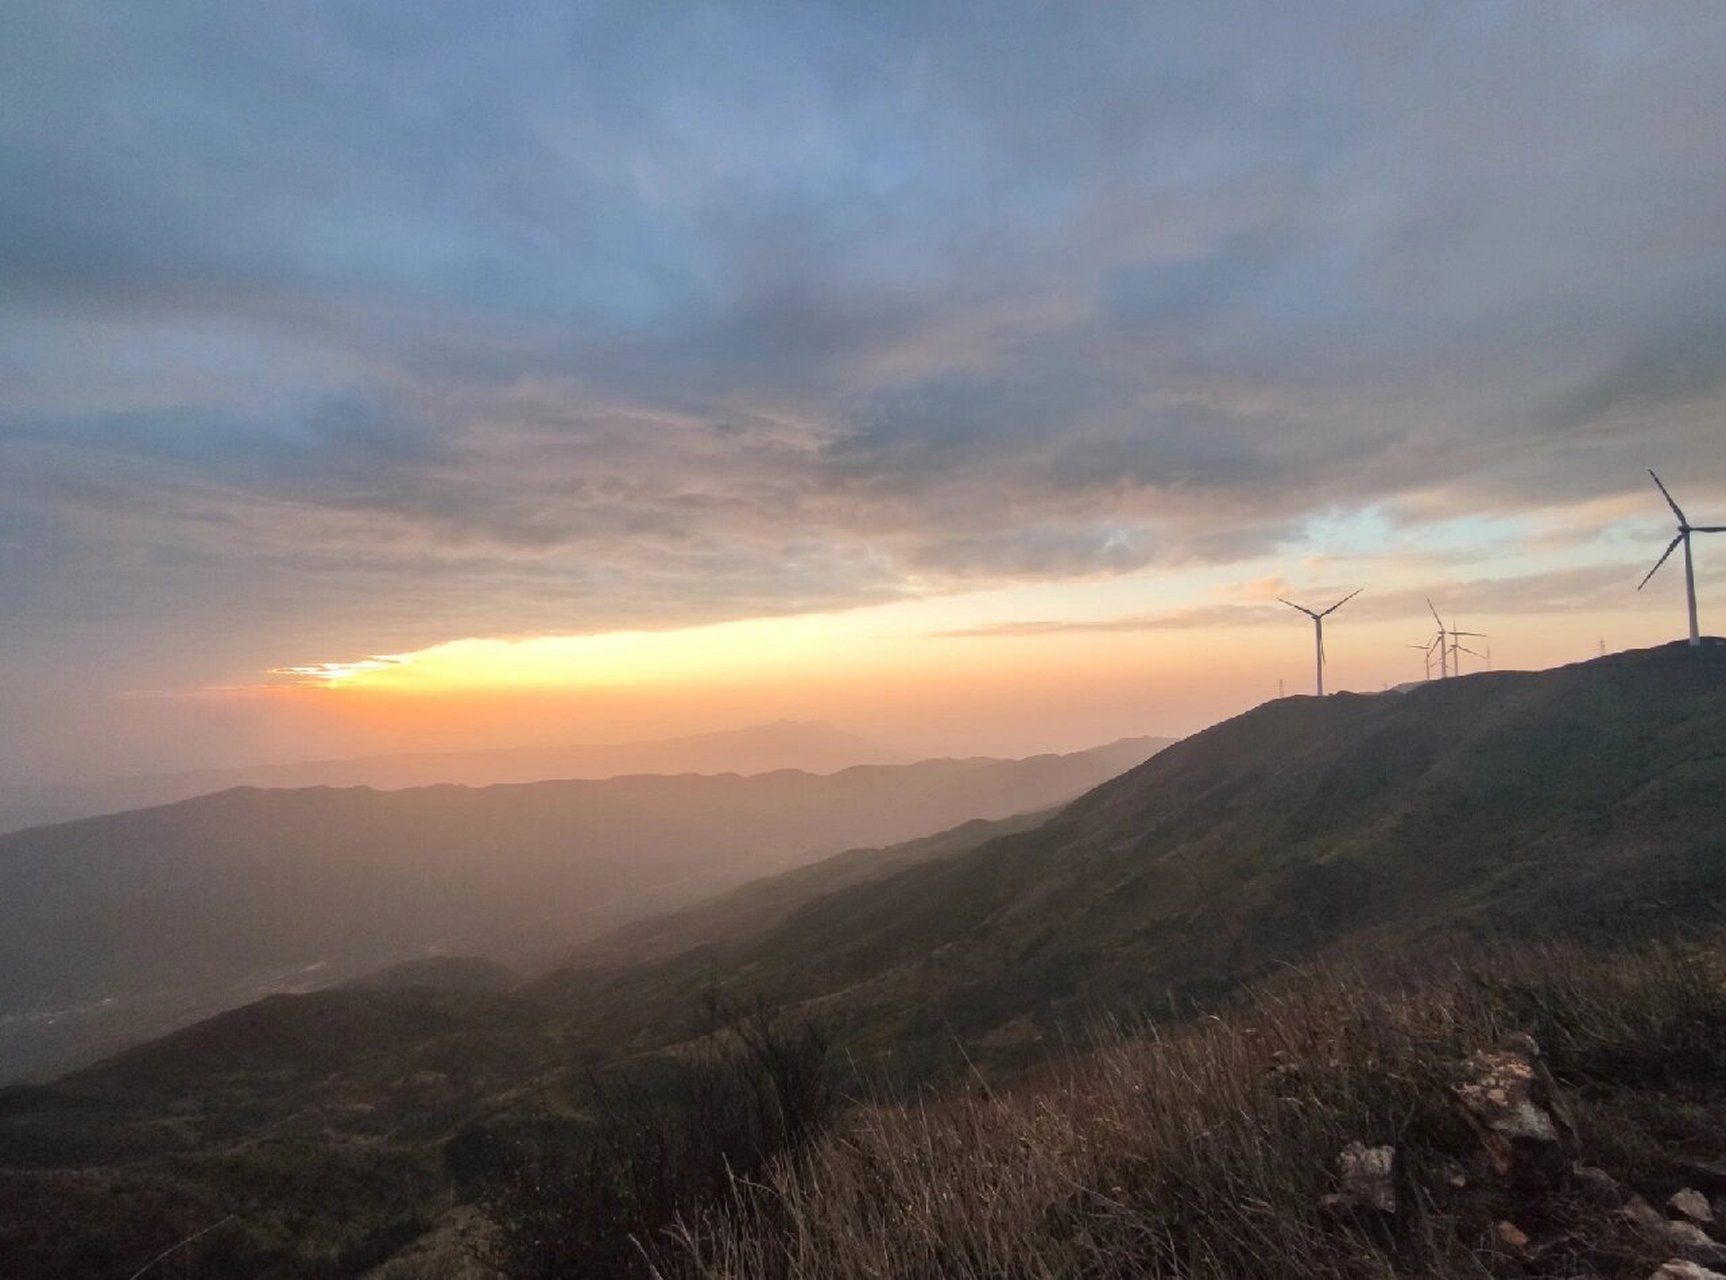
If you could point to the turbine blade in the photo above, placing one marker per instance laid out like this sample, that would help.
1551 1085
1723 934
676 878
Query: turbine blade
1676 509
1708 528
1291 604
1482 634
1340 603
1435 616
1466 649
1670 548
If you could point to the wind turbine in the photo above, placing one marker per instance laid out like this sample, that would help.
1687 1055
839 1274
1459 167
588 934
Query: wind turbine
1426 656
1449 646
1443 659
1457 646
1318 628
1685 529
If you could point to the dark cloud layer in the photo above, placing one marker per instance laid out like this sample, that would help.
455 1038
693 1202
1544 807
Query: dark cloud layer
348 328
1558 591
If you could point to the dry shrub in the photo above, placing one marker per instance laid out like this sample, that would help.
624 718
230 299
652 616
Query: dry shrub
758 1086
1206 1150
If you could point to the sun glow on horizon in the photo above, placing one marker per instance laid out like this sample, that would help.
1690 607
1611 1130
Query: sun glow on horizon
1026 666
897 637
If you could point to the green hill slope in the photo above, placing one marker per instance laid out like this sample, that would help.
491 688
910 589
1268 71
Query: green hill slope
1588 797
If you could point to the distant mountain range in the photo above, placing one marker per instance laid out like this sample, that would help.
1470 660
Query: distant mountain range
813 746
125 925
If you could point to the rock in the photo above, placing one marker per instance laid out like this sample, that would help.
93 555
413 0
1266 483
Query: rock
1685 1239
1597 1186
1679 1269
1692 1204
1365 1178
1507 1099
1512 1236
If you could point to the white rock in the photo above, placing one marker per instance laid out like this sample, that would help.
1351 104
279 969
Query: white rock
1678 1269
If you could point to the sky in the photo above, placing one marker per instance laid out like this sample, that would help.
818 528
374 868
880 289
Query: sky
976 376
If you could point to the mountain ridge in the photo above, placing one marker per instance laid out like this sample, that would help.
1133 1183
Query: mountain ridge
816 745
316 885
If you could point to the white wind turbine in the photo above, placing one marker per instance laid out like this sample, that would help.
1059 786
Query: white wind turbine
1450 646
1685 529
1426 656
1318 628
1457 647
1438 641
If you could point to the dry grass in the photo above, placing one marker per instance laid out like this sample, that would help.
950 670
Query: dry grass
1206 1151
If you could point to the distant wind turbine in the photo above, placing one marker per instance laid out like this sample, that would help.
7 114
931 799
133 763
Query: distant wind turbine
1685 529
1426 656
1443 658
1450 648
1318 628
1457 647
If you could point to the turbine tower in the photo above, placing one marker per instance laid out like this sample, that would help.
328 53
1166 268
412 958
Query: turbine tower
1685 529
1318 628
1450 647
1457 647
1426 657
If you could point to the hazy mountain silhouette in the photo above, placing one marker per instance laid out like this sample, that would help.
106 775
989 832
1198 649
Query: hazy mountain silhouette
170 912
812 746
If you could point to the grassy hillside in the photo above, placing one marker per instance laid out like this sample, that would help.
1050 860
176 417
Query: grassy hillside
752 909
1526 1108
1585 799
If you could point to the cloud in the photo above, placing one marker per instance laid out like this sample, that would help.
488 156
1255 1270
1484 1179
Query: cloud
1218 615
379 327
1477 599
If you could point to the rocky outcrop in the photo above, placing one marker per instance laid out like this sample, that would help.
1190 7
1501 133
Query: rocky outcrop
1684 1239
1508 1099
1678 1269
1548 1205
1365 1179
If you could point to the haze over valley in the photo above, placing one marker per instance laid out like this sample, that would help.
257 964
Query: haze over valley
181 909
812 746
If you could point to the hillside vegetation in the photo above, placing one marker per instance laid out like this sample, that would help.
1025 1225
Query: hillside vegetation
1517 1115
1584 800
